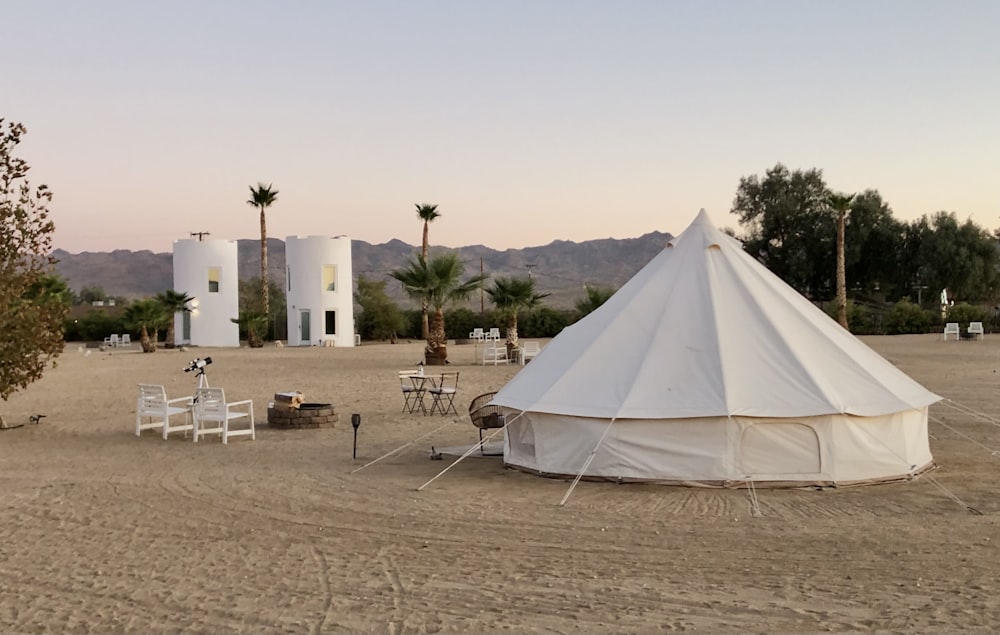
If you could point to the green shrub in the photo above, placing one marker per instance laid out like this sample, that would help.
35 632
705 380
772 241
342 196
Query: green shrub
543 322
861 320
94 327
413 324
459 322
906 317
965 313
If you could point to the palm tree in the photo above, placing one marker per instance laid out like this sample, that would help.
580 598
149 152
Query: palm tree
841 204
436 282
173 302
255 324
426 213
596 296
510 295
145 316
263 197
52 287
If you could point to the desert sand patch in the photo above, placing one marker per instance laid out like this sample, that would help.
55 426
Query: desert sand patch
102 532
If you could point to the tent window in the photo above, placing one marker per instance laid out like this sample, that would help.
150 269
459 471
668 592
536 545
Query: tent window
521 436
779 448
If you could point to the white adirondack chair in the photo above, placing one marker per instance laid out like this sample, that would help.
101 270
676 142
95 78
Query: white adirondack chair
975 328
213 414
158 411
529 348
495 352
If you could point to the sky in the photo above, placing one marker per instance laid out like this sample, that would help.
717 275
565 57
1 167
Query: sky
525 121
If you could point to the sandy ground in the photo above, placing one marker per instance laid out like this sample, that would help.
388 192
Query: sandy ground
103 532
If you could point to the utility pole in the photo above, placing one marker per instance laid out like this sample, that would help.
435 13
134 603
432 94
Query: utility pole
482 298
200 235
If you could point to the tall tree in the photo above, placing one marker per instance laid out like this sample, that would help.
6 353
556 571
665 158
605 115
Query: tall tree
789 228
380 318
961 257
173 302
873 248
511 295
31 312
426 213
251 303
263 197
841 204
438 282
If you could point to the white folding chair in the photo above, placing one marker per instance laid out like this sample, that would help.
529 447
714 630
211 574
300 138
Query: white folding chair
125 341
213 414
154 406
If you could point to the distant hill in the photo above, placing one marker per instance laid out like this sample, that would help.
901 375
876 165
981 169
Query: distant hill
560 268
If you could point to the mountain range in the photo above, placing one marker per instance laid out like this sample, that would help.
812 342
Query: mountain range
561 268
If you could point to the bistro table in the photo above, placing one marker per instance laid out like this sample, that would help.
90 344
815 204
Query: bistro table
421 384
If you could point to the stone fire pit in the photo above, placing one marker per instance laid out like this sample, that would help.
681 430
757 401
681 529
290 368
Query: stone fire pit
307 415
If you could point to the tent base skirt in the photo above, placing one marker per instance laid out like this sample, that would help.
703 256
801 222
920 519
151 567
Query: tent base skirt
733 484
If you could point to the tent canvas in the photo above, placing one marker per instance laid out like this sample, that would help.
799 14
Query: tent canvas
711 369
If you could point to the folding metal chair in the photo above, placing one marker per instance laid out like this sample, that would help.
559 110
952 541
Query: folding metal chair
443 393
411 383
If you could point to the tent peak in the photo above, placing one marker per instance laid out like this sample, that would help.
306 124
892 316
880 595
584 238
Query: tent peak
702 226
702 218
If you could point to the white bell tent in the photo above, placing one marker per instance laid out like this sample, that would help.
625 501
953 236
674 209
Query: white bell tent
707 368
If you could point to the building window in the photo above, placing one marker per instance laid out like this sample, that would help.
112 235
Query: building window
331 322
329 277
214 273
288 270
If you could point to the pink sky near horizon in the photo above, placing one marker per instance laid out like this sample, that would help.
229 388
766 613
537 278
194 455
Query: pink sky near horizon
525 122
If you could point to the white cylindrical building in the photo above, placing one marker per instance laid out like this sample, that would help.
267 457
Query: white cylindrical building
206 271
319 282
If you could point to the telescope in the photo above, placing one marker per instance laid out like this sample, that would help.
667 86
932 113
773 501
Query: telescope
198 364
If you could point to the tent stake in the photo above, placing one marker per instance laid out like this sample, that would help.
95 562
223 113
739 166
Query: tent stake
586 463
402 447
